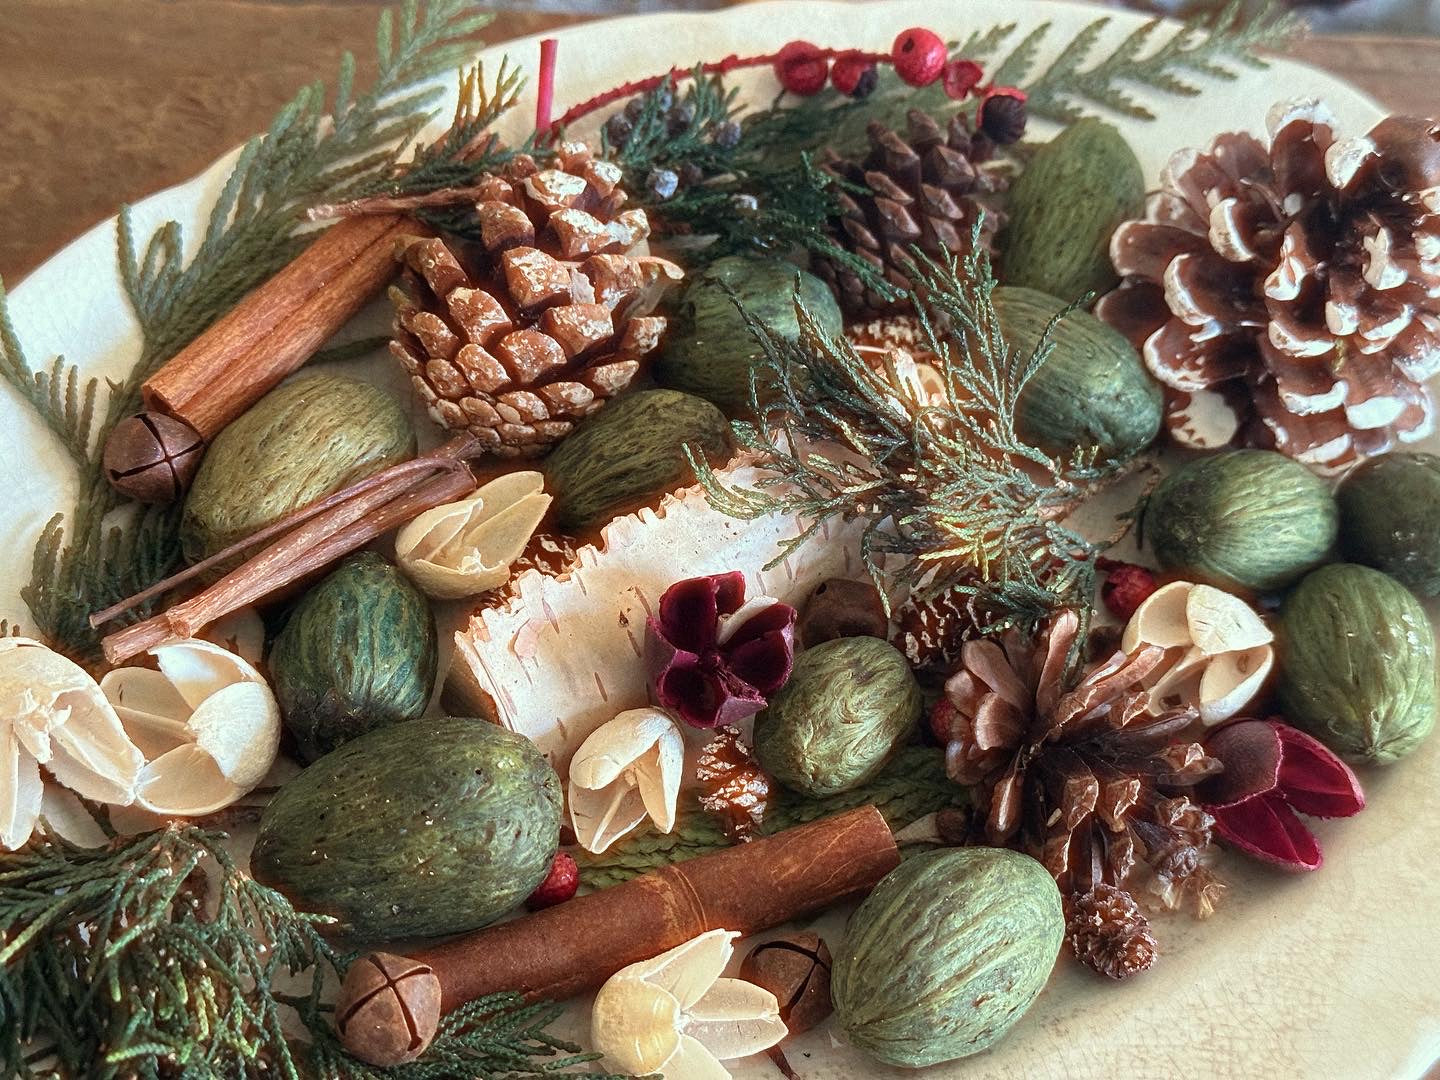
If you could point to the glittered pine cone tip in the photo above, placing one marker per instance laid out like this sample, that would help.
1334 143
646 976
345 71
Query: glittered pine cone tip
714 658
1288 295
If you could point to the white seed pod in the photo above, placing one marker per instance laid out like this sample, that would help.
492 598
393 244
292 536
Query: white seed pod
465 548
628 769
674 1014
1218 651
207 723
53 713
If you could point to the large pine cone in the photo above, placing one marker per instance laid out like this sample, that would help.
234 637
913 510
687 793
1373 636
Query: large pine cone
927 188
517 338
1290 297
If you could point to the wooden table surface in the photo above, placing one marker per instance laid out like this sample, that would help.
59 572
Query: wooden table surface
105 101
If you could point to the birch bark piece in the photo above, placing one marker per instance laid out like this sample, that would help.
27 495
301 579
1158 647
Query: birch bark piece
562 655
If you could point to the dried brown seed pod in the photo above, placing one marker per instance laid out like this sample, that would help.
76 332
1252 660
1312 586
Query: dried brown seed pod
796 969
388 1009
841 608
152 457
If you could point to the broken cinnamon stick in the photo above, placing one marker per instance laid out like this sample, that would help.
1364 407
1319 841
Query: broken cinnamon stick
278 326
327 536
575 946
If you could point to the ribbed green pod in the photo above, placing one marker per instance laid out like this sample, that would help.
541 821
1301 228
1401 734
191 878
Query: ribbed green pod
1247 519
357 653
423 829
946 954
1358 663
1390 518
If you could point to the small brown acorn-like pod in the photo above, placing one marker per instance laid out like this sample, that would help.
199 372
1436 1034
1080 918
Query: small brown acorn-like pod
796 969
388 1009
152 457
839 608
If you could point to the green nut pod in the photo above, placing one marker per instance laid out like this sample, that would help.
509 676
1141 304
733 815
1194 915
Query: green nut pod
710 350
1074 192
358 652
947 953
630 453
1244 519
1390 518
1092 392
423 829
847 707
1357 663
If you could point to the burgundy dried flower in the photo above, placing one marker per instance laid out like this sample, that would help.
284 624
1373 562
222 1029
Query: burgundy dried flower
1271 772
713 658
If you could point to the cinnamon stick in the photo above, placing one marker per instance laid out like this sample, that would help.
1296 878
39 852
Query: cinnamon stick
575 946
310 547
278 326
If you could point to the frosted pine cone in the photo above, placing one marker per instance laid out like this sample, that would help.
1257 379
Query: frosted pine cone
541 322
927 187
1290 296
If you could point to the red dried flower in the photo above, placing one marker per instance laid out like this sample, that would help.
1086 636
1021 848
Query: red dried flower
1126 587
1271 772
713 658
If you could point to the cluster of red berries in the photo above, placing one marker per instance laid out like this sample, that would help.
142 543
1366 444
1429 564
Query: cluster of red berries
920 57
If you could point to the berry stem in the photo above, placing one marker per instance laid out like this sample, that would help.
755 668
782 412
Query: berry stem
545 91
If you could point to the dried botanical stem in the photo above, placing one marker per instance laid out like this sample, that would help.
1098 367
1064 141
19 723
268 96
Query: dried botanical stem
545 95
325 538
394 204
278 326
449 457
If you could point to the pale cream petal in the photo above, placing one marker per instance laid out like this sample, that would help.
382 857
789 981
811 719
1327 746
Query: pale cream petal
600 816
186 782
735 1018
199 668
1177 680
1232 680
428 534
91 754
66 816
1220 622
1160 619
241 632
614 745
689 969
150 708
660 778
635 1025
20 791
692 1061
239 726
747 611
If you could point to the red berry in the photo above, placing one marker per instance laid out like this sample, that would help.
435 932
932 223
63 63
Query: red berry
848 71
961 76
559 885
919 56
802 68
1126 588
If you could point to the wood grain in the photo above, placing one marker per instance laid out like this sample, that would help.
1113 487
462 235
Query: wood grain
106 101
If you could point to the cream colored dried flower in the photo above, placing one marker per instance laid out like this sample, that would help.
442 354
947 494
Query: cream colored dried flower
207 723
628 769
465 548
52 713
674 1014
1218 651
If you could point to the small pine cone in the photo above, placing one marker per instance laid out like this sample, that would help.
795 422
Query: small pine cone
1109 933
926 189
546 319
733 787
932 632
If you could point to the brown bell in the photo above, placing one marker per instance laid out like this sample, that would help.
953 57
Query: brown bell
152 457
388 1009
796 969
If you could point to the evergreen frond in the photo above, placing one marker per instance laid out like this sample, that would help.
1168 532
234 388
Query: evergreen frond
951 496
103 550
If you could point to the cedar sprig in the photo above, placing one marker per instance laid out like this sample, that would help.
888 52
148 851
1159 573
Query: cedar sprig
911 785
105 548
950 493
653 144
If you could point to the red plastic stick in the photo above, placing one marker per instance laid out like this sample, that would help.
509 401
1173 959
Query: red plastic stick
545 92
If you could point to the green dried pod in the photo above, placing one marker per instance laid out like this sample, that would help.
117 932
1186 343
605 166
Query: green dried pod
1245 519
1092 392
947 953
630 453
710 351
1358 663
305 439
423 829
1390 518
357 653
848 706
